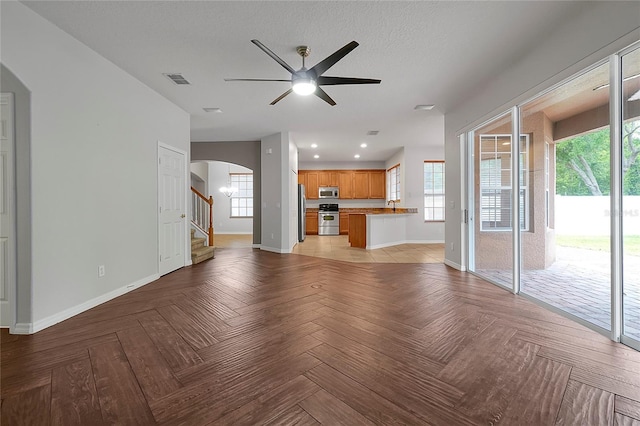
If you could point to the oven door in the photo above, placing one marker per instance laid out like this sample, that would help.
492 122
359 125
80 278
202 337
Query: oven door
328 223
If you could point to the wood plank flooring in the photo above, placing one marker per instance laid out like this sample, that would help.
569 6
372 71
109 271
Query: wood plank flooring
254 337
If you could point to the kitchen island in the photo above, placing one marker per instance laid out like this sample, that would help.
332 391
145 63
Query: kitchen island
379 228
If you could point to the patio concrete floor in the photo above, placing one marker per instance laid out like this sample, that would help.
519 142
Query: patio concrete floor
579 283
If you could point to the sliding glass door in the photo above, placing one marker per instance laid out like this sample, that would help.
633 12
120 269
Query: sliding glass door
630 212
491 217
565 250
570 188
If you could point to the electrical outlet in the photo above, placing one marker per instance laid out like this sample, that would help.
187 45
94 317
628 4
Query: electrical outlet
272 236
451 246
101 271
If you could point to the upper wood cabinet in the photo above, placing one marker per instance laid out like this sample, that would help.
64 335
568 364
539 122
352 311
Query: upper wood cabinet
353 184
311 189
345 184
361 184
328 178
377 187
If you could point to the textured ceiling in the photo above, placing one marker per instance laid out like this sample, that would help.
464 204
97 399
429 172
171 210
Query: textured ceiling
424 52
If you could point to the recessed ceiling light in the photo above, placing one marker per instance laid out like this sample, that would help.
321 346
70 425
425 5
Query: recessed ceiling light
424 107
218 110
316 156
314 145
363 145
356 156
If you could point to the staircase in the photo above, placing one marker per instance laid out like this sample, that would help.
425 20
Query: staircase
200 252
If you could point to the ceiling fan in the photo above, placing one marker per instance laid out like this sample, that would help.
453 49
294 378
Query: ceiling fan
307 81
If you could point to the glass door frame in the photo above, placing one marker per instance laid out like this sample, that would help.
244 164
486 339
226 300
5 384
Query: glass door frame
466 140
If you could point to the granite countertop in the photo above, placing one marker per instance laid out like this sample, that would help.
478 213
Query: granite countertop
378 210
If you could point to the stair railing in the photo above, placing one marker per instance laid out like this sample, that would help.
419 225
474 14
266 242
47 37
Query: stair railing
202 213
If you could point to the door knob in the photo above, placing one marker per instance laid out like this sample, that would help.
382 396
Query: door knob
182 215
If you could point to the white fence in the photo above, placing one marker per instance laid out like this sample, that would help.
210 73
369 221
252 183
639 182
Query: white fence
591 215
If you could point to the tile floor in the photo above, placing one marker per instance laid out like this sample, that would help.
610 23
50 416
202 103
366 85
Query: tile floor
337 248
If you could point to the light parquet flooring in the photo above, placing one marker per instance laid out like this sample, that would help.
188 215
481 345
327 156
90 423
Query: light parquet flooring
253 338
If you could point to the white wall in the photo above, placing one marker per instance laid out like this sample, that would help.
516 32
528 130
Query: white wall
201 170
275 183
219 177
580 42
94 138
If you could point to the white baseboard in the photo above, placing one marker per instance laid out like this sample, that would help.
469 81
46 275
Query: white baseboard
22 328
395 243
455 265
25 328
379 246
255 246
274 249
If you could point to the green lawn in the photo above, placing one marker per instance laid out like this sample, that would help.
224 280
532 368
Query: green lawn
631 243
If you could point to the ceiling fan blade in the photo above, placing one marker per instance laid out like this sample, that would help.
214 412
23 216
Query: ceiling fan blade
335 81
276 100
275 57
253 79
330 60
323 95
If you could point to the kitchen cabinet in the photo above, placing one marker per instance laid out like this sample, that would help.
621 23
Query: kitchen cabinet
328 178
353 184
344 223
377 187
311 187
361 184
311 223
358 230
345 184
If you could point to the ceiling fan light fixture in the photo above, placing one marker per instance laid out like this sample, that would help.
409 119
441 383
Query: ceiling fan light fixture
304 86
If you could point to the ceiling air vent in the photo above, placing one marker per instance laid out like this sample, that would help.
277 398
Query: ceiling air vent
177 78
373 132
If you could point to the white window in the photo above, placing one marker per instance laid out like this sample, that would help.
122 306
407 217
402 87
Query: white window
393 183
433 191
242 199
495 183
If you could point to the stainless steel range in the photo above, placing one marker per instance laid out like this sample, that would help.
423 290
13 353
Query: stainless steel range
328 219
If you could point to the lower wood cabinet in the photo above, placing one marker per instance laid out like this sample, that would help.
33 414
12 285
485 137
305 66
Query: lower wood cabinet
344 223
311 223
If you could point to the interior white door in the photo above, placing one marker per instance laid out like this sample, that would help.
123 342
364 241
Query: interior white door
171 209
7 222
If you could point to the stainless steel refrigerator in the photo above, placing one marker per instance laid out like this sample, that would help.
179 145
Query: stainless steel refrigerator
302 211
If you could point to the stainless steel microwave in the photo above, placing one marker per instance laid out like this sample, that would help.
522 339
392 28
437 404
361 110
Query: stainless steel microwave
328 192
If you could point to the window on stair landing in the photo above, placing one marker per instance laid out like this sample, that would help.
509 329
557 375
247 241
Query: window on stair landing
242 199
434 191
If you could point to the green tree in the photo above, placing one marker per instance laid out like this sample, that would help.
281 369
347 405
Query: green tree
582 163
